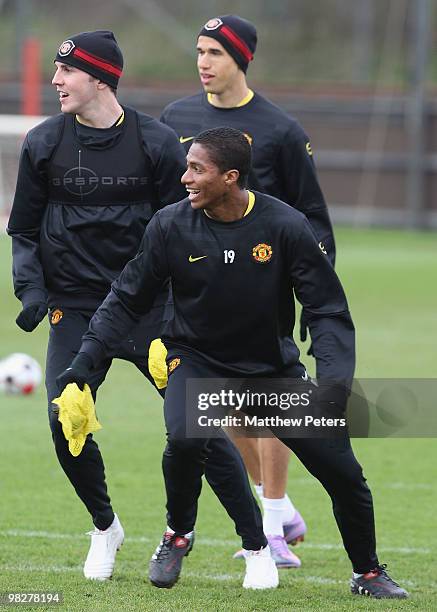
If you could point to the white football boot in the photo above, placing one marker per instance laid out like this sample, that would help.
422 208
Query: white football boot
261 570
100 561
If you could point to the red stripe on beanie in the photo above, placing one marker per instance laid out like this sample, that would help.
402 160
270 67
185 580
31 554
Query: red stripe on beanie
95 61
236 41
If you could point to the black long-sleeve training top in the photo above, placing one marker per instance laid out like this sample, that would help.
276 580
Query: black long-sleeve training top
233 286
84 197
283 164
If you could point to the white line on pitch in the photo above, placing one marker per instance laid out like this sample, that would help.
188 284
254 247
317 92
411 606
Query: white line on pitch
44 569
27 567
410 486
18 533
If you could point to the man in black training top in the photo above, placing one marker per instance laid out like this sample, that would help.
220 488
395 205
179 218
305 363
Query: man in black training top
234 258
283 167
90 179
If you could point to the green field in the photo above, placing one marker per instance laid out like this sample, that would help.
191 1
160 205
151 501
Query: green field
390 278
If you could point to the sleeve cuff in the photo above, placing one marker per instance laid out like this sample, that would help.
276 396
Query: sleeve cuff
94 350
34 295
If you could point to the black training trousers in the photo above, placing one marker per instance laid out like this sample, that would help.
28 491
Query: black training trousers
225 473
332 462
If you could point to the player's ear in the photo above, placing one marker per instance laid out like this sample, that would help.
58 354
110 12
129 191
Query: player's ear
231 177
101 84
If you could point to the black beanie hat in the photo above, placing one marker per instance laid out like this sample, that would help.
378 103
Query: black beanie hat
237 35
96 53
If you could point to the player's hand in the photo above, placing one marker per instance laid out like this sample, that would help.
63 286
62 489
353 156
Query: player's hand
304 332
31 316
78 372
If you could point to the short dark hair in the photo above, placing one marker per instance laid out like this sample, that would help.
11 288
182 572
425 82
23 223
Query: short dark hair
228 149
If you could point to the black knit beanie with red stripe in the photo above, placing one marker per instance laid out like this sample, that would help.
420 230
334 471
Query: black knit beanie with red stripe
237 35
96 53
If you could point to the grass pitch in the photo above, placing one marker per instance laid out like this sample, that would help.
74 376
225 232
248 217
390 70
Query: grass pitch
389 278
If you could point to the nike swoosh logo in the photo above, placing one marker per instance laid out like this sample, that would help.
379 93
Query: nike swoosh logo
183 139
192 259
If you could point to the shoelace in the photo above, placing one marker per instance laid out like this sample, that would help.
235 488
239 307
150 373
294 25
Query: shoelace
95 532
165 547
381 569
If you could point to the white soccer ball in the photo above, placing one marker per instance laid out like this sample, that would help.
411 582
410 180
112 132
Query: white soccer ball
20 374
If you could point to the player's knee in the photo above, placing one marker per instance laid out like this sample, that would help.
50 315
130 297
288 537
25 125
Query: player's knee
184 446
351 478
354 477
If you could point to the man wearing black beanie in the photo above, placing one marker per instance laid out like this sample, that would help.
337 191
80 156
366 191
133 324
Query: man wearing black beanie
283 166
96 53
90 179
236 35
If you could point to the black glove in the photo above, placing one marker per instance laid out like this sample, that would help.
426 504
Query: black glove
78 372
303 332
31 316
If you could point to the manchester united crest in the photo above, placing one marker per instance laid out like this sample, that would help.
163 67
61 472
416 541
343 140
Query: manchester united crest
213 24
173 364
262 253
56 316
66 48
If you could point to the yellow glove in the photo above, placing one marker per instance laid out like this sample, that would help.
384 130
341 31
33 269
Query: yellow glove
157 363
77 415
